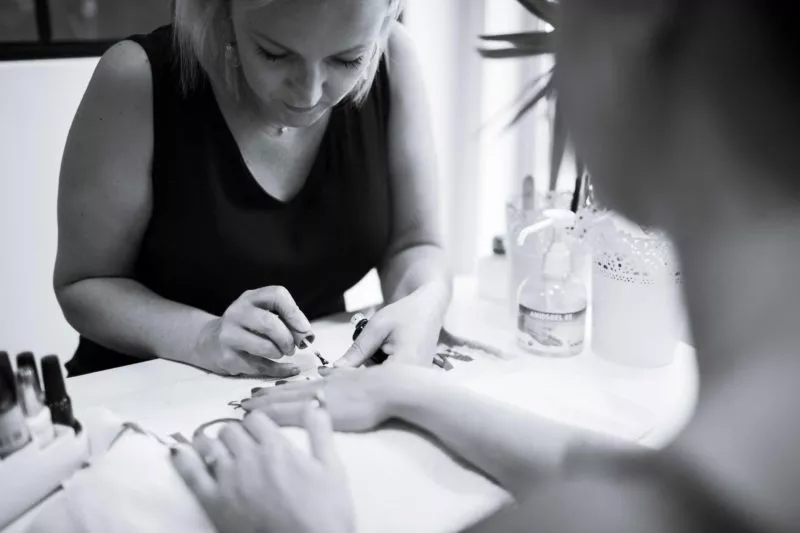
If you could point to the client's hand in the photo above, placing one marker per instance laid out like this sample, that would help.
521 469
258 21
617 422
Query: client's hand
259 482
260 326
358 399
406 330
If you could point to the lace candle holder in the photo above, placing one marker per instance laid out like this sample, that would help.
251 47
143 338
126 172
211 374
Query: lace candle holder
638 315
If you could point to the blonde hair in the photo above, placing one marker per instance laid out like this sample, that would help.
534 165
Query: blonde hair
200 39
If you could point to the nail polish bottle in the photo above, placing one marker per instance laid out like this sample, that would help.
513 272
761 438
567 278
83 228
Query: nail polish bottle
37 415
14 432
55 392
360 322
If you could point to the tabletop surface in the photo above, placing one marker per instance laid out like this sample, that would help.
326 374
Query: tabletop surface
646 405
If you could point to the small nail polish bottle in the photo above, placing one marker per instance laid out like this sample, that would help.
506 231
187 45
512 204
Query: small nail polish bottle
360 322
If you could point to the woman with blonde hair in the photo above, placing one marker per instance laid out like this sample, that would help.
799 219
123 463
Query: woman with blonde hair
228 177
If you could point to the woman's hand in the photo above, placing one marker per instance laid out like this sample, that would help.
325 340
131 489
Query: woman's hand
406 330
261 326
253 480
358 399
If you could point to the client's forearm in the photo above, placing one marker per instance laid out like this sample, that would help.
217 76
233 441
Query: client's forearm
125 316
515 448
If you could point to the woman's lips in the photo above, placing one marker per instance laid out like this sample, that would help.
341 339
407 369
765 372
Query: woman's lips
300 110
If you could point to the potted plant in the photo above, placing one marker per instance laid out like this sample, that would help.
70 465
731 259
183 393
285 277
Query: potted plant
535 44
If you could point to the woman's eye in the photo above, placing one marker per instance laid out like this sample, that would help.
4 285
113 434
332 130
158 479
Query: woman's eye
351 63
270 56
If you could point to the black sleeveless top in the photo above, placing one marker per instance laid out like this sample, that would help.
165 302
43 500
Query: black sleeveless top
214 233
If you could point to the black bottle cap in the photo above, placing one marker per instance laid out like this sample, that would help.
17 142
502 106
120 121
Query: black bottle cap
498 245
8 393
7 375
54 387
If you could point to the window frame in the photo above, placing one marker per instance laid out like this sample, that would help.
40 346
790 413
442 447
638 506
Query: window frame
44 47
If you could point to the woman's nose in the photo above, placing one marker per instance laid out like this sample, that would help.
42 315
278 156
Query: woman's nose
307 84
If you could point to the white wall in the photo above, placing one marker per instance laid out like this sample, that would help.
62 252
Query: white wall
445 32
37 102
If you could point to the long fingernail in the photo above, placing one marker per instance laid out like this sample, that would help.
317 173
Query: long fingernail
324 370
281 382
302 344
256 390
310 338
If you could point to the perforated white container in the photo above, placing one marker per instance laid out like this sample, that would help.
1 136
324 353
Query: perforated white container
638 315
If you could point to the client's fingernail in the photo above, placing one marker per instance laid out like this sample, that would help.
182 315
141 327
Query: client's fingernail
309 338
281 382
302 344
256 390
173 451
324 370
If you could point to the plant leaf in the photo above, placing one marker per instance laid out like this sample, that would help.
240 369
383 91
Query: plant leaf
525 39
559 144
515 102
507 53
544 9
580 183
542 93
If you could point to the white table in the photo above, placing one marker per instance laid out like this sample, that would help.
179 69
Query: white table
647 405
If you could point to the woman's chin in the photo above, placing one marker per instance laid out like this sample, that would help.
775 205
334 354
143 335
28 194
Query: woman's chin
294 119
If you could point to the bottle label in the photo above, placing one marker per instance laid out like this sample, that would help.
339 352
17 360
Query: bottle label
551 333
14 432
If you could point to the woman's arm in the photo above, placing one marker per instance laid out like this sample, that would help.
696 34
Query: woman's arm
511 446
416 256
104 206
515 448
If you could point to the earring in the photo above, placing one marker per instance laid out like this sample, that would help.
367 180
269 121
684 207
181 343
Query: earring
232 64
232 55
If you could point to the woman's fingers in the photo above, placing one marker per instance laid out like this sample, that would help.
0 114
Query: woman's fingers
237 338
236 439
279 301
368 342
214 454
194 473
268 326
266 367
288 388
263 430
283 414
318 423
263 400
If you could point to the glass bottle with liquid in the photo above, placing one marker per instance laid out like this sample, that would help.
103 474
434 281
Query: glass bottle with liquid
14 433
552 301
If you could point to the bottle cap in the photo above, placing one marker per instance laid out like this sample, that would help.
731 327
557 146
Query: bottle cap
27 360
7 375
54 387
356 318
8 396
498 245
